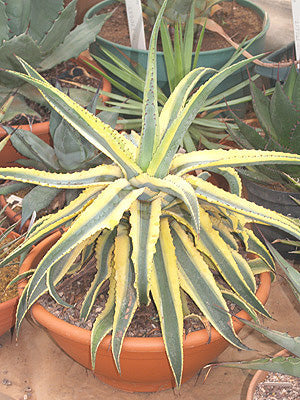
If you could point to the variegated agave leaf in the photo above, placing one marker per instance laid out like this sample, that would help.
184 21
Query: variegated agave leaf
159 232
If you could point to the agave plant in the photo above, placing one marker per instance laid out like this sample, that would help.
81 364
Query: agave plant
158 232
179 9
39 31
279 118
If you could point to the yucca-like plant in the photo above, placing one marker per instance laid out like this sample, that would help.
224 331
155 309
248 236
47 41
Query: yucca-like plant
158 232
279 118
41 32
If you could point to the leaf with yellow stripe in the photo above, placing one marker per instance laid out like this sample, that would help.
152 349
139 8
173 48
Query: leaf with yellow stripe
97 176
47 224
126 298
197 280
168 146
211 243
101 135
145 223
103 253
58 270
104 322
206 159
220 198
165 290
105 212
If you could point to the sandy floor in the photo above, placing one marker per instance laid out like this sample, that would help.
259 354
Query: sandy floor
36 369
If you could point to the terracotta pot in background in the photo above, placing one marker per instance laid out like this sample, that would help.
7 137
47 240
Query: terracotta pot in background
260 376
8 308
144 363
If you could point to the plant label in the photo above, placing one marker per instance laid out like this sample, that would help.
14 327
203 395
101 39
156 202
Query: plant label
135 24
296 20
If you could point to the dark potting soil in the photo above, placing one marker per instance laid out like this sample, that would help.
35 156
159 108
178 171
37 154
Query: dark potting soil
237 21
67 74
145 322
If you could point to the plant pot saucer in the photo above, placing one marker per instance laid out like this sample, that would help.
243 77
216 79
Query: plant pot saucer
144 363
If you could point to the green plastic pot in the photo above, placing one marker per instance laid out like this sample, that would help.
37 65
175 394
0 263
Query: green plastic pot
275 73
212 58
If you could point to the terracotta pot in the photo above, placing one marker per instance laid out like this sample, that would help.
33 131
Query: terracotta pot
8 308
144 363
9 155
260 376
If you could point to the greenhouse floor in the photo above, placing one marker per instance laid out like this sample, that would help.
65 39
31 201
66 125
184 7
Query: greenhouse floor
34 368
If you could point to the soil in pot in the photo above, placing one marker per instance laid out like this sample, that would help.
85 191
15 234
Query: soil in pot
238 22
145 322
8 273
278 387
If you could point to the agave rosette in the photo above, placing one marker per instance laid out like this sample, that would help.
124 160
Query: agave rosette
157 231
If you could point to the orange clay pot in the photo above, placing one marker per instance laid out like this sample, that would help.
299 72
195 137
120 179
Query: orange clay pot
144 364
8 308
260 376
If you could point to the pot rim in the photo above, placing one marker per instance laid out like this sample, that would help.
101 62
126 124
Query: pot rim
8 303
154 344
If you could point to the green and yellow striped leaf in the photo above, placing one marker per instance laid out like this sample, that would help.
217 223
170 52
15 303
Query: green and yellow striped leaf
166 295
104 322
145 223
206 159
105 212
220 198
103 253
212 244
97 176
197 280
150 116
101 135
126 297
47 224
162 159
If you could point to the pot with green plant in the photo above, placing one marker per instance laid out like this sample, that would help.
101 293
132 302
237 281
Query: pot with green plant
41 33
274 187
201 9
160 235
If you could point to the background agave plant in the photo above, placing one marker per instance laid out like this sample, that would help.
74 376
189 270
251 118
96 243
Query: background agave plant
279 118
69 152
39 31
158 232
